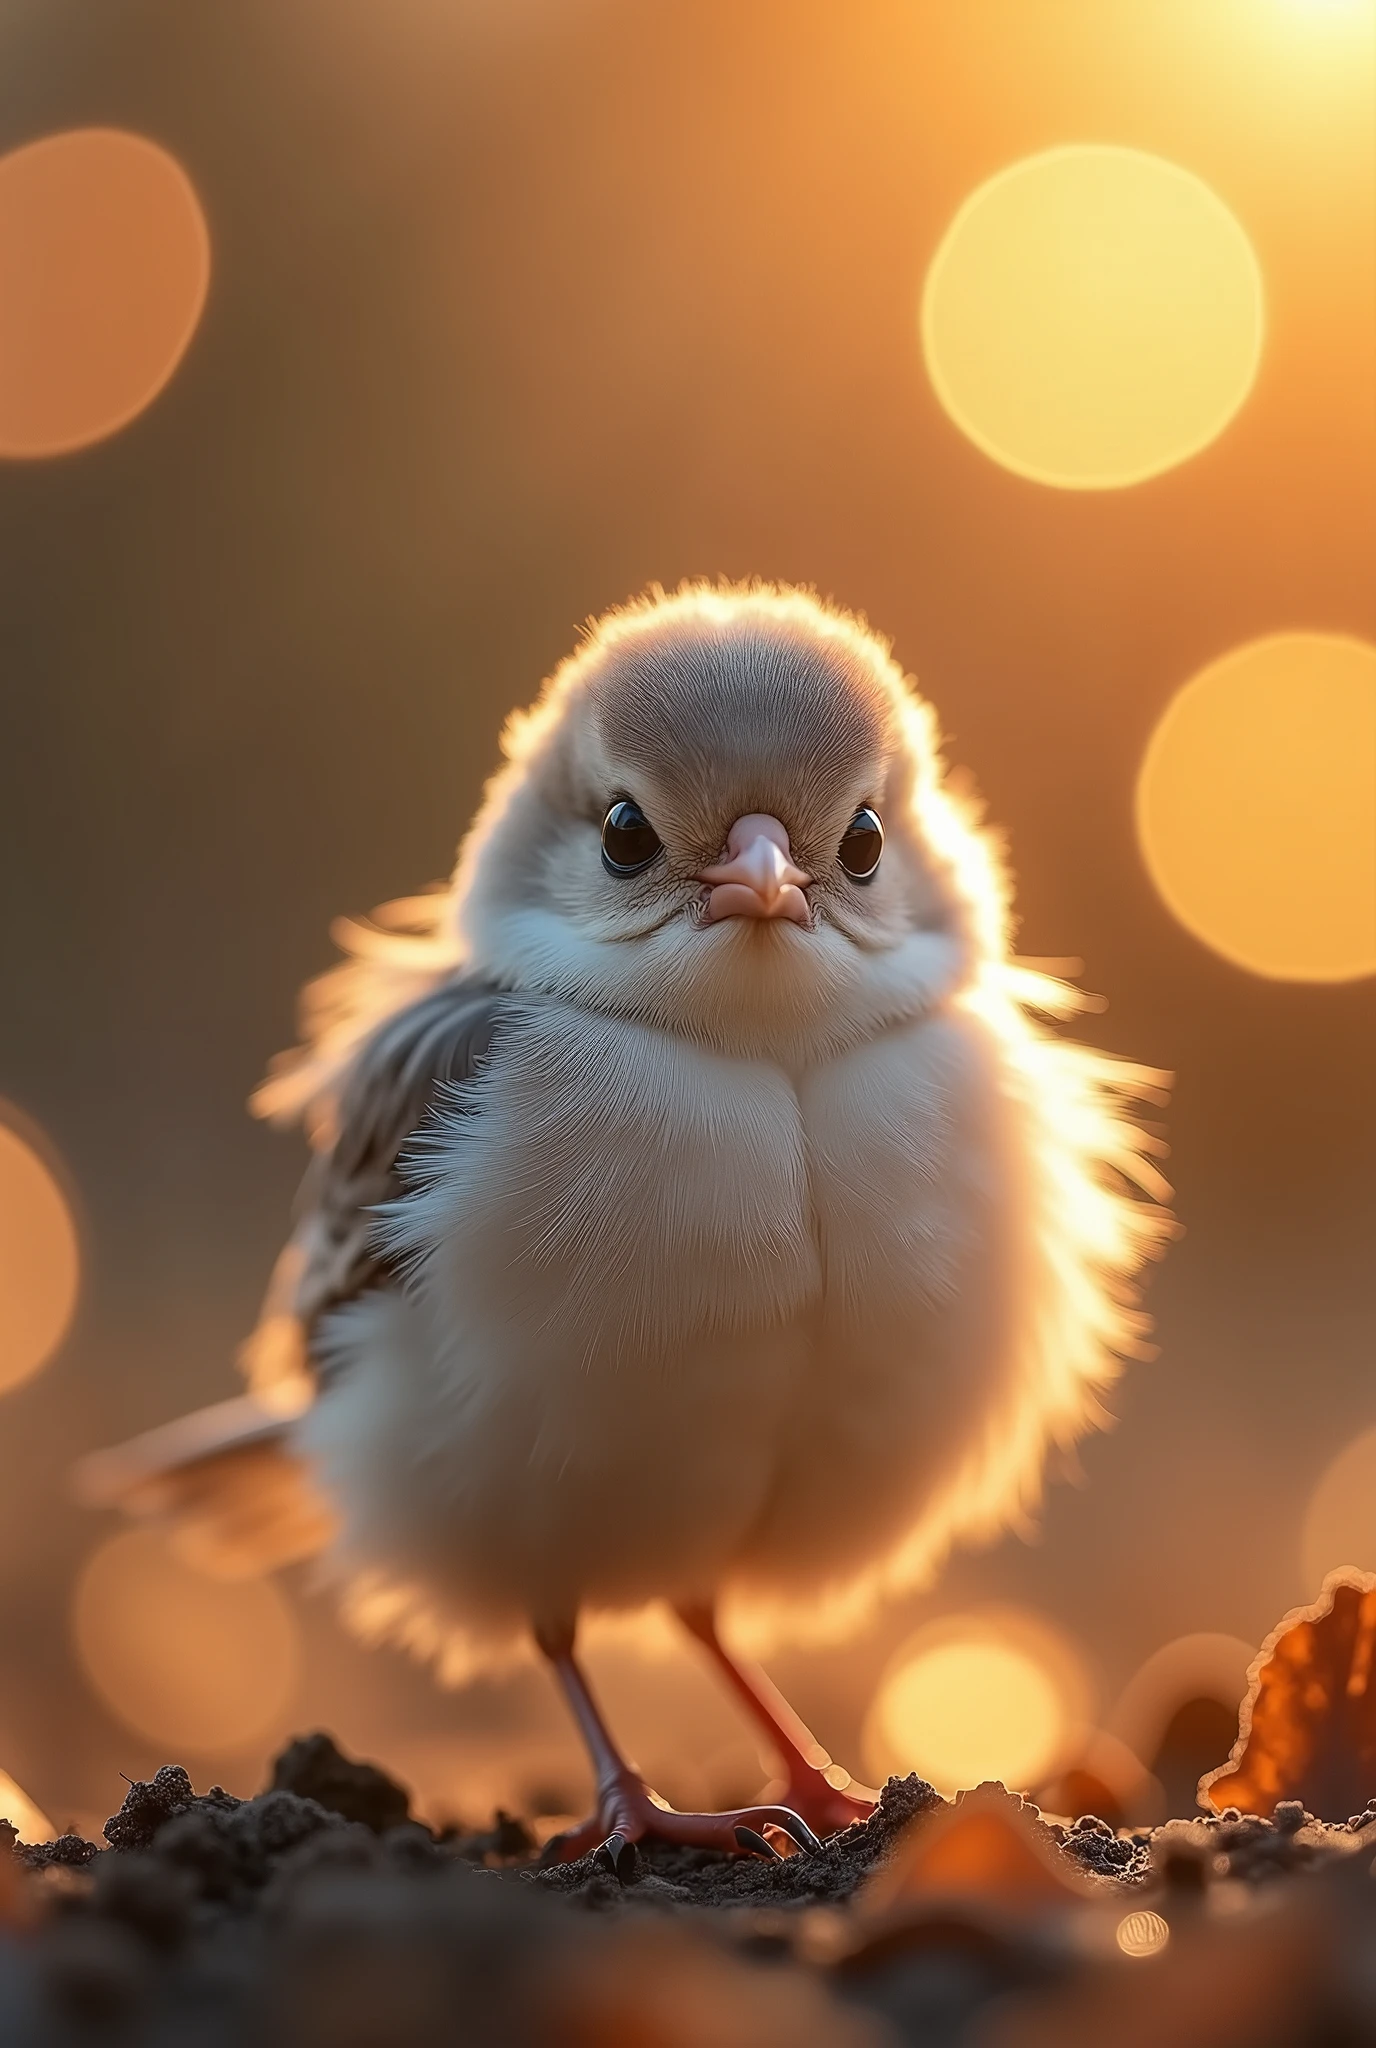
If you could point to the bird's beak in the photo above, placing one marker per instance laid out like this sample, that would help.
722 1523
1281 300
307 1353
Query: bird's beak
757 878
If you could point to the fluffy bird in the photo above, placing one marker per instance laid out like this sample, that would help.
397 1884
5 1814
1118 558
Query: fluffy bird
703 1206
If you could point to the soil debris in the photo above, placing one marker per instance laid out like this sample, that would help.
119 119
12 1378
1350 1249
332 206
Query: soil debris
321 1914
314 1768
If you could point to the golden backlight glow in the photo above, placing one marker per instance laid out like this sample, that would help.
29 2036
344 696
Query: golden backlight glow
29 1821
39 1264
104 265
1340 1521
1256 807
190 1663
1092 317
971 1699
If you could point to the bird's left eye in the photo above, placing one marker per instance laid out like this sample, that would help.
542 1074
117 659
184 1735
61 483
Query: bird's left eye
861 845
629 841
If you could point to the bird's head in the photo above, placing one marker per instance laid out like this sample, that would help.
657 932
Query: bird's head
725 816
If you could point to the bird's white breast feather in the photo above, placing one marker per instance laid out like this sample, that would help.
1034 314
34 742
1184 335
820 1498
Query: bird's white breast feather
681 1320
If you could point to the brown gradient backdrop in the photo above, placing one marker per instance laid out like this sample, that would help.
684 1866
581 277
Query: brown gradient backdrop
515 306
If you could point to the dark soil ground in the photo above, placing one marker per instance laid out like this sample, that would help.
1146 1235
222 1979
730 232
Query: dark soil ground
319 1915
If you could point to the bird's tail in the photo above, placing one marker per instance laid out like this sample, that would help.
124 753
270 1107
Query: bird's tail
234 1495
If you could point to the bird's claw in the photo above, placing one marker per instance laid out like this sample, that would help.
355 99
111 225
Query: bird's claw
749 1839
828 1809
793 1824
617 1855
628 1815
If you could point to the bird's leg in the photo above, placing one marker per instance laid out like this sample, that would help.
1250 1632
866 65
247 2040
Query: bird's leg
627 1811
807 1789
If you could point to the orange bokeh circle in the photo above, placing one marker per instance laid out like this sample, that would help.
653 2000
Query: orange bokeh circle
1256 806
189 1662
40 1259
104 267
1340 1521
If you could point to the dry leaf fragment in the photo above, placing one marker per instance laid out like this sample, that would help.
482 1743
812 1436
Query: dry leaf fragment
1307 1729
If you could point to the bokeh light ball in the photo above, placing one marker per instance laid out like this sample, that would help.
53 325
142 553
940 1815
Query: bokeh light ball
1092 317
190 1663
104 267
39 1260
1206 1664
1256 807
1142 1934
1340 1521
977 1697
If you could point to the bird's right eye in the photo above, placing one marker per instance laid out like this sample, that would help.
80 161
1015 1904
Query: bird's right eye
862 844
629 841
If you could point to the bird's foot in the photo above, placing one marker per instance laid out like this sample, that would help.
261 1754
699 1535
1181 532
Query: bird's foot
825 1807
628 1813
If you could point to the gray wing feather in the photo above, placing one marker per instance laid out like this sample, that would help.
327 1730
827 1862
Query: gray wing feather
418 1055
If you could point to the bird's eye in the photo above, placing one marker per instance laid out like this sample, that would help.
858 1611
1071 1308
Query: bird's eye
629 841
862 845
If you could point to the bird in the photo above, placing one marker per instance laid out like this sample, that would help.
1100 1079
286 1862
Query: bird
705 1207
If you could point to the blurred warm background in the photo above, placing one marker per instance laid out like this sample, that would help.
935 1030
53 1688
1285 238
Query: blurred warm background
351 353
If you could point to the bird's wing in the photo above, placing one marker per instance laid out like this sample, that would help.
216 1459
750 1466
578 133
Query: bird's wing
426 1050
334 1254
227 1478
223 1481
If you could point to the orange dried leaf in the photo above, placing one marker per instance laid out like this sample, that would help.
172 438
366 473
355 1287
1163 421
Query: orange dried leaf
1307 1729
987 1848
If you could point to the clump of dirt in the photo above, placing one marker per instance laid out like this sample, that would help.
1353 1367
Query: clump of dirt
320 1914
313 1768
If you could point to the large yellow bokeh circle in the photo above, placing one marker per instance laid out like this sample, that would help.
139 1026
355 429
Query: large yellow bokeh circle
977 1697
968 1712
1256 807
1092 317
